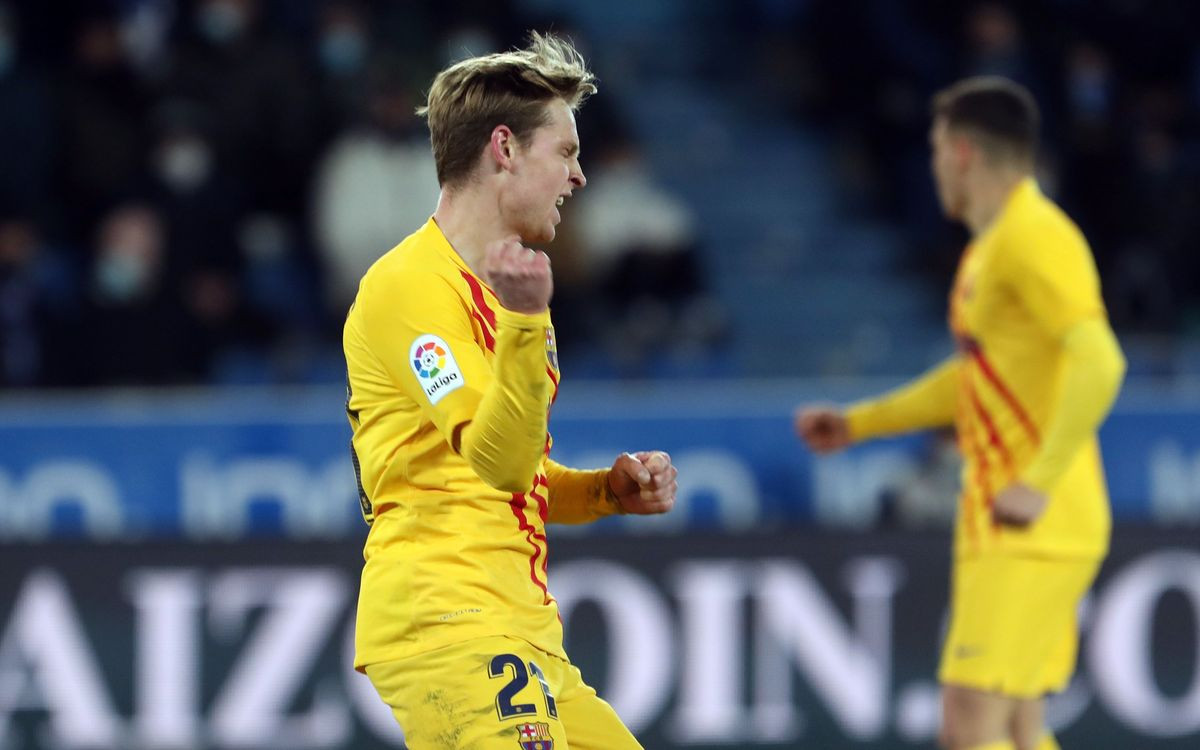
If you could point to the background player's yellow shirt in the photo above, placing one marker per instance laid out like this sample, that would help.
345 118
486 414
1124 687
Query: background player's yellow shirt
1021 285
447 557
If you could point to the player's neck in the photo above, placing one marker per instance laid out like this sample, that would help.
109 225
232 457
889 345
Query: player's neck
469 219
989 195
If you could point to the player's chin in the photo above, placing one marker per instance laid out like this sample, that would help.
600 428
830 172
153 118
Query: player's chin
544 233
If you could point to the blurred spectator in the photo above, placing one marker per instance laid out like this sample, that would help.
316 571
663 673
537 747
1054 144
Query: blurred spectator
200 204
104 107
36 294
1140 294
995 44
474 27
344 49
638 243
202 210
136 331
375 184
26 128
280 290
275 148
253 89
1121 126
1092 147
467 40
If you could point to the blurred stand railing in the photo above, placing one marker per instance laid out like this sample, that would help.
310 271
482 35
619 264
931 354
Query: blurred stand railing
226 464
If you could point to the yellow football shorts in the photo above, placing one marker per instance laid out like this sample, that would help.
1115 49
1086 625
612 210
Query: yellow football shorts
496 693
1013 623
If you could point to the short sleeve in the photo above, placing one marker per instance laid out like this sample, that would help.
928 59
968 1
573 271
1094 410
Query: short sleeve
1050 268
420 329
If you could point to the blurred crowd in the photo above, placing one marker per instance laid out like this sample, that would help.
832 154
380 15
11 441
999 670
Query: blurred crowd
1119 86
192 190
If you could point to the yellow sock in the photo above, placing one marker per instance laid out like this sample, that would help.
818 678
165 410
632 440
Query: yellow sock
1048 743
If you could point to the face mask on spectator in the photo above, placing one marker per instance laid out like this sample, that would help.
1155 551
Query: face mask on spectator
221 22
343 50
185 164
121 276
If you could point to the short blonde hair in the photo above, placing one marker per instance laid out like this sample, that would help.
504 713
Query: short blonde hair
470 98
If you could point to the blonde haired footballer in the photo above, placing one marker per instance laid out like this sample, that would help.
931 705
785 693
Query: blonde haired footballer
452 371
1036 372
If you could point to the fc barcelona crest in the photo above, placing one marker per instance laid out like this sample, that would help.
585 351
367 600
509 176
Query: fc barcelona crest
551 348
535 736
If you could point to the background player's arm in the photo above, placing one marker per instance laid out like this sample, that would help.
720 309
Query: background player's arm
927 402
1092 370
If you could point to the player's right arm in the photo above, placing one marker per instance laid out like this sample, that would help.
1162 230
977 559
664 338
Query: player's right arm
493 416
505 440
925 403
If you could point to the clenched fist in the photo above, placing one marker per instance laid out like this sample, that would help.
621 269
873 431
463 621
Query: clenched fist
823 428
519 276
644 483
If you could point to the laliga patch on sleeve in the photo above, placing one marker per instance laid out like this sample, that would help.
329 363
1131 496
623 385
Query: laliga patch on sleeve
435 367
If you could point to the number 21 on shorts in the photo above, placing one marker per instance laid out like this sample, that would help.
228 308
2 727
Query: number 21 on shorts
502 666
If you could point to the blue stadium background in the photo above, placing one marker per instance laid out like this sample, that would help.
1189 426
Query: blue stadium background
189 190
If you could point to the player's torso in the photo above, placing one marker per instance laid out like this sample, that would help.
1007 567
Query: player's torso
1010 367
1011 371
448 557
400 451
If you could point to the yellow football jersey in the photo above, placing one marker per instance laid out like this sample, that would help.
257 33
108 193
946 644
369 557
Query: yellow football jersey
448 558
1021 285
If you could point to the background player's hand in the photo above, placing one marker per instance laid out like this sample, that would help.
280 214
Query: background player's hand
1018 505
519 276
644 482
823 428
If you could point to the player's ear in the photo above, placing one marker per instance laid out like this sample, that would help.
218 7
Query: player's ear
502 145
965 151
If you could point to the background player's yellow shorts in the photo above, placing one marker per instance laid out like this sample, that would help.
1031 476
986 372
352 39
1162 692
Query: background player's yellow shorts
496 693
1013 623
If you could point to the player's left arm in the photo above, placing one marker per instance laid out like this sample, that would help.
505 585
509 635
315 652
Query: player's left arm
1061 288
641 483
